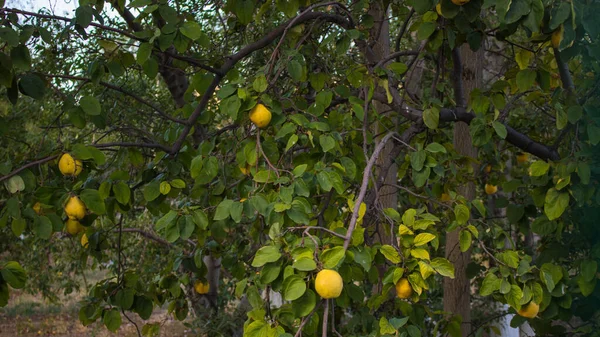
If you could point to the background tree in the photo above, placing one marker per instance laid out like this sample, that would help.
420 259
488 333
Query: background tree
359 170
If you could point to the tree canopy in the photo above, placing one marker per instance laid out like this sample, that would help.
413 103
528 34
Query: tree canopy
190 205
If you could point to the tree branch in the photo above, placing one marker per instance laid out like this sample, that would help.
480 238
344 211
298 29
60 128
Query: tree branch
26 166
123 91
364 186
62 18
140 145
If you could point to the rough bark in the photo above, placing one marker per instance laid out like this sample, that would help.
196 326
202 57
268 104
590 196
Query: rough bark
380 46
457 292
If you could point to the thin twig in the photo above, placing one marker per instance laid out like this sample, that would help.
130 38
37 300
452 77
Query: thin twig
325 316
364 186
307 228
305 320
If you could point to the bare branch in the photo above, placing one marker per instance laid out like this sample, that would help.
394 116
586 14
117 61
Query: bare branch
62 18
364 186
123 91
26 166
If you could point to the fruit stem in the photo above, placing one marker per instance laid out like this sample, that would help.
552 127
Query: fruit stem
325 316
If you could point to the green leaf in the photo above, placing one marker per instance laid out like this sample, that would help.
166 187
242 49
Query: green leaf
90 105
93 201
327 142
265 255
423 238
42 227
431 118
550 275
165 188
305 264
196 166
32 86
236 211
15 184
464 239
295 69
191 29
124 298
112 319
420 253
588 270
270 272
166 220
555 203
490 284
363 257
264 176
260 83
177 183
526 79
425 30
21 58
152 190
435 148
417 160
143 306
398 67
4 295
18 226
332 257
13 274
462 214
500 129
122 192
222 211
305 304
538 168
230 106
385 327
143 53
509 257
514 296
390 253
293 287
299 170
443 267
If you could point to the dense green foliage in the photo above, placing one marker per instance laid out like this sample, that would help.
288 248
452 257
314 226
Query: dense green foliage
153 97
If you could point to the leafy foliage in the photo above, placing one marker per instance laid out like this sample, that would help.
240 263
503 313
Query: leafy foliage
154 98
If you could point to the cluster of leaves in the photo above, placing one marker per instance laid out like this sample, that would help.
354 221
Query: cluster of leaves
275 205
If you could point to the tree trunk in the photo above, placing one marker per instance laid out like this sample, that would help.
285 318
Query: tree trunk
457 291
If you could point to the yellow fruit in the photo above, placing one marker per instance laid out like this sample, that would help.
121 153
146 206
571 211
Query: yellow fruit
75 208
84 241
243 199
488 168
73 226
438 9
201 288
403 288
245 170
529 310
260 115
522 158
557 36
78 167
445 197
460 2
490 189
329 284
37 208
69 166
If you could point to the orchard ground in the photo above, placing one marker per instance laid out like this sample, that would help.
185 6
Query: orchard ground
31 315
